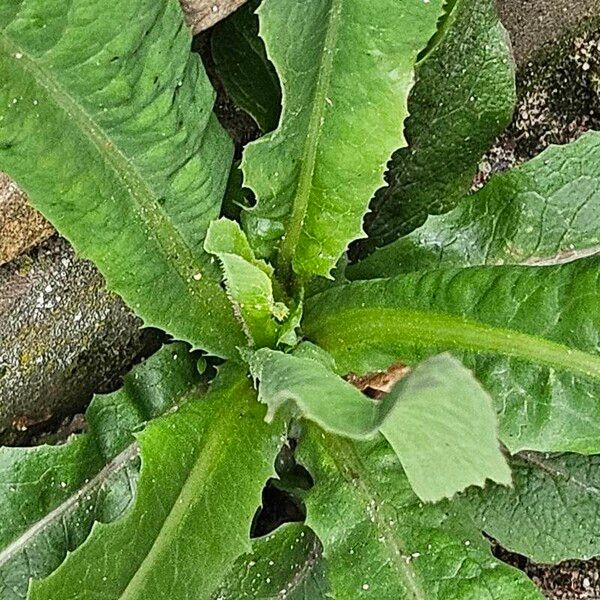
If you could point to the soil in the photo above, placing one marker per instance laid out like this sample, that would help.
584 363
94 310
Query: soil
571 580
533 23
239 124
559 99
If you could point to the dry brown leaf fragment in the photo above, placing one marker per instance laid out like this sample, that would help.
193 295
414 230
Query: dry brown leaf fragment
376 385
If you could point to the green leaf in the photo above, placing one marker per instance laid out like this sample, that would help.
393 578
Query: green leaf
381 542
529 334
106 123
287 333
346 68
286 564
442 426
544 212
439 420
183 532
50 496
248 283
319 393
243 67
551 515
462 100
309 350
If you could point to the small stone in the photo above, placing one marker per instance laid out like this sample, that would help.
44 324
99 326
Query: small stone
586 583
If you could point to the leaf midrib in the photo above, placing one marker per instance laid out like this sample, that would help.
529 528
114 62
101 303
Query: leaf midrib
422 328
313 137
192 488
134 185
347 462
299 577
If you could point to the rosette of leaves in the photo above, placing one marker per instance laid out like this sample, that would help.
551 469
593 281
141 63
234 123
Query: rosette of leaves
489 312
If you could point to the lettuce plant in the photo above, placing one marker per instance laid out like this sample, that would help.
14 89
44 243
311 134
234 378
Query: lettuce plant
479 311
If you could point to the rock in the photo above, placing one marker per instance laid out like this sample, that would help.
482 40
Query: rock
62 337
202 14
21 226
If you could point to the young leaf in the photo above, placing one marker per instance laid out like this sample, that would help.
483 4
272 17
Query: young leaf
544 212
443 428
51 495
381 542
285 564
106 123
248 282
287 333
183 532
551 515
439 420
243 67
529 334
462 100
346 68
319 393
